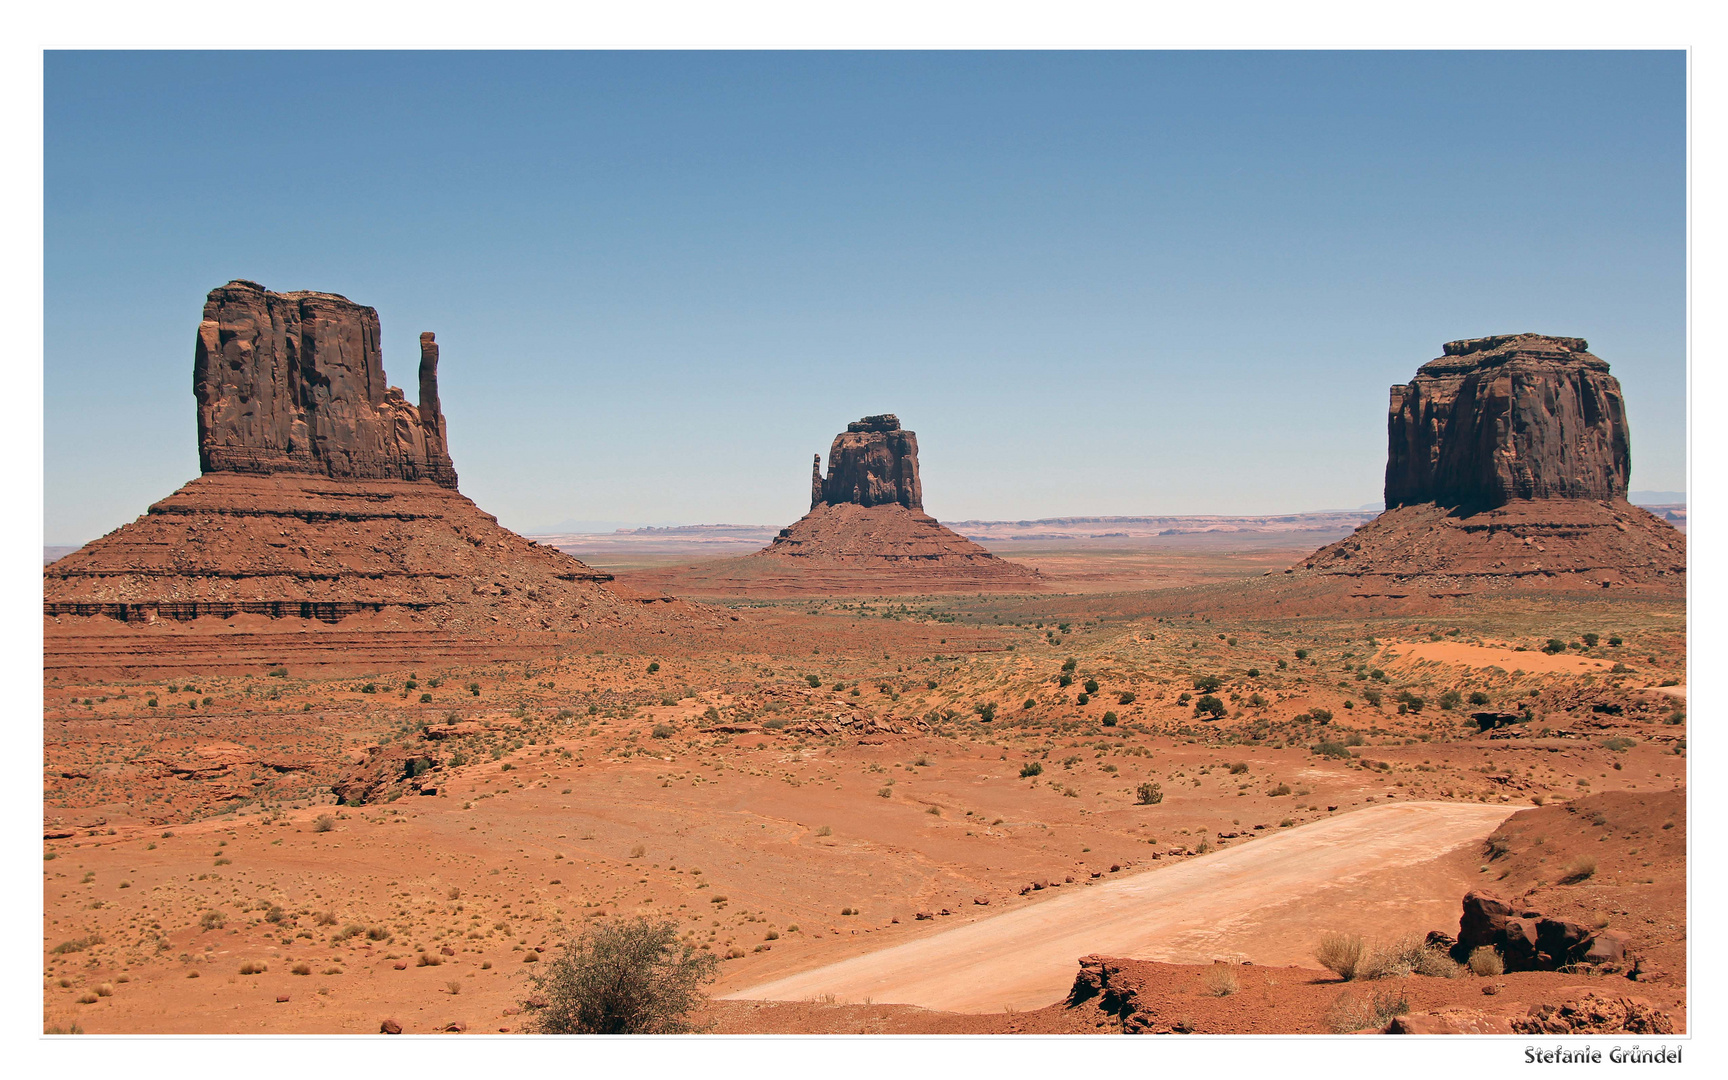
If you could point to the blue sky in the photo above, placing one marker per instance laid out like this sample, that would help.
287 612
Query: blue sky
1093 283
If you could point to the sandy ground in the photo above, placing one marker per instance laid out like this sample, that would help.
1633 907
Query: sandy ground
792 789
1184 913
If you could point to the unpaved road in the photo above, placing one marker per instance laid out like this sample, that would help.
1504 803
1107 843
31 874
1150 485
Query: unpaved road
1025 959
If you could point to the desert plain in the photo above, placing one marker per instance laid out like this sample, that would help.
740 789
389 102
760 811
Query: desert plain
873 781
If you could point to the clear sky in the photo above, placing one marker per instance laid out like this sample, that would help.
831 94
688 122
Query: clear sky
1093 283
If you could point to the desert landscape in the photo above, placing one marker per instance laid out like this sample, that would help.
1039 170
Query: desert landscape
328 750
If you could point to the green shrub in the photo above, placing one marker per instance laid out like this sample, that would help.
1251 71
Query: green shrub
1125 698
1208 706
1110 719
1207 684
666 731
1091 686
632 978
1031 768
323 823
1149 794
1554 645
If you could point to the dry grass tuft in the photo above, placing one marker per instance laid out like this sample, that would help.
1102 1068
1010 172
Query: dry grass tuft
1341 954
1219 980
1580 869
1486 962
1350 1013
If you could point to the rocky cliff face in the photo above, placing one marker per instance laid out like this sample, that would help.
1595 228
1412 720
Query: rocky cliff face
294 383
1519 416
874 462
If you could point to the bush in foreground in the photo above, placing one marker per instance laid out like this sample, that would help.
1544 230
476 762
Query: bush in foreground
1341 954
627 978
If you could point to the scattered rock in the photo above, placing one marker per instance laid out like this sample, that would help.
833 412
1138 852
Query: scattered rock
1596 1013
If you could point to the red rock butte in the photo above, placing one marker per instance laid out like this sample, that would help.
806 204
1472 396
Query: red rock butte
1507 464
325 497
867 529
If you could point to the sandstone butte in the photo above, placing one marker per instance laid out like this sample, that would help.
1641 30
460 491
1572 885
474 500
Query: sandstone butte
867 529
1507 463
325 496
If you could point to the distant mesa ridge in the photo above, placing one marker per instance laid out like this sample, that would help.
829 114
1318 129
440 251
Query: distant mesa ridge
1515 416
294 383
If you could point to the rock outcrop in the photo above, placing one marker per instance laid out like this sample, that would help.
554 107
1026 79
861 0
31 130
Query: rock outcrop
874 462
294 383
325 496
1517 416
867 529
1507 463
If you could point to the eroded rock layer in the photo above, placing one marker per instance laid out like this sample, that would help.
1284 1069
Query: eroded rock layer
874 462
294 383
1518 416
1541 544
317 548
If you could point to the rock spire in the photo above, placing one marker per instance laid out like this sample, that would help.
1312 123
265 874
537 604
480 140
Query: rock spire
294 383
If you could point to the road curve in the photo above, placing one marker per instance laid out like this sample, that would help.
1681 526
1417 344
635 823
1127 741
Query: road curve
1025 959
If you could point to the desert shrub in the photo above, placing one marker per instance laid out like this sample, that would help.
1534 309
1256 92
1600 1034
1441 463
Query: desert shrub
77 944
1207 684
1149 794
1031 768
1341 954
212 920
1619 743
1301 654
825 830
986 712
1590 640
1616 641
1238 768
663 731
1477 697
1110 719
301 968
1451 699
1554 645
323 823
1219 980
653 666
1090 686
1126 697
1486 962
1435 964
275 914
1208 706
1063 680
1580 869
326 918
1332 750
377 933
253 967
1350 1013
1029 703
622 979
813 680
1281 789
1372 697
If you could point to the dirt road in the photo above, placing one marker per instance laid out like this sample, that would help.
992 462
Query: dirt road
1025 959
